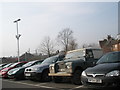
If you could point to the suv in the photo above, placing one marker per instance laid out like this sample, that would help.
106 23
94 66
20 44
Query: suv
75 62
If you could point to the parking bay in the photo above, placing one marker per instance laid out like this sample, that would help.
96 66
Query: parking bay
46 85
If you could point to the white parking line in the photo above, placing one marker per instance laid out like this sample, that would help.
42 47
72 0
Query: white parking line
77 87
42 85
38 85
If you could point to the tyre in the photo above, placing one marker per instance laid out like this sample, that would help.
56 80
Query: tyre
19 76
45 77
76 78
57 79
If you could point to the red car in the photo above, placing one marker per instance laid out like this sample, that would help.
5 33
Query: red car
3 72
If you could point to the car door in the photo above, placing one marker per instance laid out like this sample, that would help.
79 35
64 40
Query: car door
90 61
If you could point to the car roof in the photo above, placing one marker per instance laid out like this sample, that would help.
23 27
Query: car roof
84 49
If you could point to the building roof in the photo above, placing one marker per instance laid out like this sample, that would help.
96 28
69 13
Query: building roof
118 36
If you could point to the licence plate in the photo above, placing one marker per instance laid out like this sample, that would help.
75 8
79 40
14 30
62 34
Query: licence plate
27 74
94 80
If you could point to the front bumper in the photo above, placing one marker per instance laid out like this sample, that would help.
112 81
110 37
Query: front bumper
32 75
3 74
11 76
60 74
104 82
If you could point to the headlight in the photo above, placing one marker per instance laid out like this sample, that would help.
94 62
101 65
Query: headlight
84 74
51 66
113 73
36 69
69 65
13 71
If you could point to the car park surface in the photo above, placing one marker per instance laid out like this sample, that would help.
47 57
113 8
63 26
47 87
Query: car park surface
10 84
28 84
105 74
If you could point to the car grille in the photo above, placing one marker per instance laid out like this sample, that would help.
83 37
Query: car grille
61 67
95 75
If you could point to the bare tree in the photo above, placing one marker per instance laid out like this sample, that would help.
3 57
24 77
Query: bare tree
84 45
95 45
66 39
47 46
72 45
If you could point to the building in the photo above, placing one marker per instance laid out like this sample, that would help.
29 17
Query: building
107 44
116 46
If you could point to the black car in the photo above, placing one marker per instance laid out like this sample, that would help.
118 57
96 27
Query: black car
1 65
18 73
106 73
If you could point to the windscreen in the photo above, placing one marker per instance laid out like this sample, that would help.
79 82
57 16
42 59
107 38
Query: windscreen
13 64
28 64
75 54
50 60
110 58
7 65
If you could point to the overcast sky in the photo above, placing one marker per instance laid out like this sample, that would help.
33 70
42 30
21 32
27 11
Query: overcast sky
90 22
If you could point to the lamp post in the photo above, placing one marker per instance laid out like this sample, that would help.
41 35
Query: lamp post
17 36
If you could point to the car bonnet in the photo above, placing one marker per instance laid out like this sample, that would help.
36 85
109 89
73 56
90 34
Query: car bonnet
38 66
103 68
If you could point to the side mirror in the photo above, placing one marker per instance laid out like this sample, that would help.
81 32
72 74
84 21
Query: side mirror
61 56
94 63
54 61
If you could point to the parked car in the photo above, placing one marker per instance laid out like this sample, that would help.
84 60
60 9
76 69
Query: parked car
6 66
3 72
106 73
1 65
40 72
75 62
18 73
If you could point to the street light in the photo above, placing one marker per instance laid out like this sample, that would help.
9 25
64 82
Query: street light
17 36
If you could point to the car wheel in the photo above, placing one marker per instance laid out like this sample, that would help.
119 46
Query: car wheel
20 77
57 79
76 78
45 76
